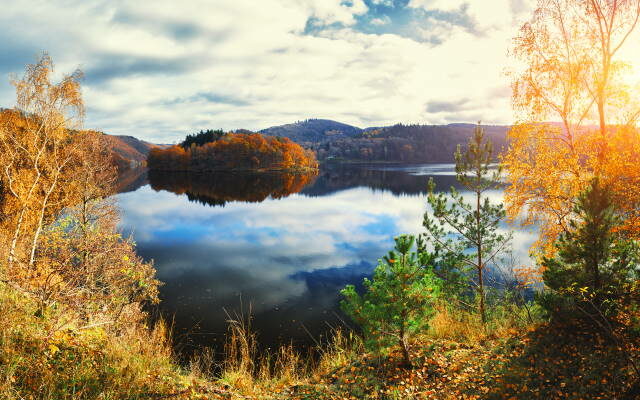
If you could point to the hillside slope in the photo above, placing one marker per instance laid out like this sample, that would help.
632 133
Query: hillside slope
128 151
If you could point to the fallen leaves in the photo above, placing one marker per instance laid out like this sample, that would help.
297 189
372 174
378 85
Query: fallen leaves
546 362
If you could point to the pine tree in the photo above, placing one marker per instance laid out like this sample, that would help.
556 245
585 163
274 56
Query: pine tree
470 228
593 262
398 301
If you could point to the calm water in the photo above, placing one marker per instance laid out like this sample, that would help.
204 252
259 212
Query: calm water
283 245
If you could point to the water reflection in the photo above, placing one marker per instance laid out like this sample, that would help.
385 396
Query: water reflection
218 188
283 244
395 179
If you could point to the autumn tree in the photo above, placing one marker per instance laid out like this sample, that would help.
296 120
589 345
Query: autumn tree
36 154
398 301
569 70
58 225
213 151
470 228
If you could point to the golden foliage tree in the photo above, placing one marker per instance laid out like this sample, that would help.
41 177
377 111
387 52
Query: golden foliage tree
569 71
36 154
57 226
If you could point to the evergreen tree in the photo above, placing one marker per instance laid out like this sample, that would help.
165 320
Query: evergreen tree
202 138
593 262
398 301
459 227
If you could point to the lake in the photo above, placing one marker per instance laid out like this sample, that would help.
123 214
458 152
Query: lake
282 245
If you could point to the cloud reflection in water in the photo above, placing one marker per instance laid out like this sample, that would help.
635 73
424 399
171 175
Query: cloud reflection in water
288 257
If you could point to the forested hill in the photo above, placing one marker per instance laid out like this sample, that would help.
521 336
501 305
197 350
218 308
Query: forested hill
397 143
313 131
408 143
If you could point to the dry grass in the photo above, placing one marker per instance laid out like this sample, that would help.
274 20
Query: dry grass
467 327
265 374
341 350
446 324
256 374
40 360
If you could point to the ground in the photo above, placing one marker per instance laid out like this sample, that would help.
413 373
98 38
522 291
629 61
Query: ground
541 362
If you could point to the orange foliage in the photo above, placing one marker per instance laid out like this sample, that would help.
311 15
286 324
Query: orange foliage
235 151
37 154
571 74
546 175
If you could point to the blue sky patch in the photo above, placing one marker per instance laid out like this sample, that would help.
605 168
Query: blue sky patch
398 18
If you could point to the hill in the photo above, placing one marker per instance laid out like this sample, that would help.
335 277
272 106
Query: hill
313 131
128 151
333 140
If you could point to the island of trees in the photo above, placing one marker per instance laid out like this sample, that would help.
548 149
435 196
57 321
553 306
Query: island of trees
219 151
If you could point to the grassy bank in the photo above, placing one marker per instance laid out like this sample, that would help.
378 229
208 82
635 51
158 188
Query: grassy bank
456 359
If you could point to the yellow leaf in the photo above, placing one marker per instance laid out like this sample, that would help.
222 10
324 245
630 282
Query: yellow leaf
53 349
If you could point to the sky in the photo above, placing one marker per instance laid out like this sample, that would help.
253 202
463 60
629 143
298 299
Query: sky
159 70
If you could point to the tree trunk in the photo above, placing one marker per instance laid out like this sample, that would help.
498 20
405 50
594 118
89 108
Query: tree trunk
14 241
43 209
481 294
23 211
480 261
406 358
402 341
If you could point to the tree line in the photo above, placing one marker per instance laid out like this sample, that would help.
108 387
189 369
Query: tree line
405 143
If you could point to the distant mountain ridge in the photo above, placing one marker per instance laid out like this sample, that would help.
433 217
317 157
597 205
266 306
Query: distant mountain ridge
313 130
333 140
416 143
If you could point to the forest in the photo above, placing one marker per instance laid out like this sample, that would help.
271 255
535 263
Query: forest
430 322
414 143
405 143
217 151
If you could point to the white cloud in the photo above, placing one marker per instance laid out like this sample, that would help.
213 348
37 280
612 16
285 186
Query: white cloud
488 14
334 11
387 3
380 21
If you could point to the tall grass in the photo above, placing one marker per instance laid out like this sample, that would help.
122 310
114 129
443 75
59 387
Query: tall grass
254 372
39 359
502 320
